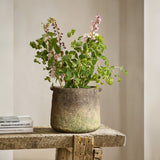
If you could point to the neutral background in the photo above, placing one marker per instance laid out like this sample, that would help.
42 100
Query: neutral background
23 90
6 63
152 78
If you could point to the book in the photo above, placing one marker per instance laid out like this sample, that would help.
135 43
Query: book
8 119
16 122
16 130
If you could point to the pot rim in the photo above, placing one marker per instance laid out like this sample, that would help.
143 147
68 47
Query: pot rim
92 87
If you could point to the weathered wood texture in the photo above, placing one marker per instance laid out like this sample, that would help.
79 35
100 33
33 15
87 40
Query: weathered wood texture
97 154
48 138
83 147
82 150
63 154
75 109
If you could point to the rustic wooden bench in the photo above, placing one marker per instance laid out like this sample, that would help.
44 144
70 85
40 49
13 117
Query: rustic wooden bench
68 146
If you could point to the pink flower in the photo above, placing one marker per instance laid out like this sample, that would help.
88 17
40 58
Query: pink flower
98 19
96 28
96 25
85 37
96 34
49 56
89 54
57 57
54 68
52 73
93 38
92 22
98 16
91 28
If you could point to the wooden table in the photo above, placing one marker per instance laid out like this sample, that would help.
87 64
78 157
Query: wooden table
69 146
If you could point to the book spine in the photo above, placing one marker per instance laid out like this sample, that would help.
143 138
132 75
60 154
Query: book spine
16 130
12 125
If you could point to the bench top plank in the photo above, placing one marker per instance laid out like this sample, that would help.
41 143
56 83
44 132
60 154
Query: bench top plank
45 137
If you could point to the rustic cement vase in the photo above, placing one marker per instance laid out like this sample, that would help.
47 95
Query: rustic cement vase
75 110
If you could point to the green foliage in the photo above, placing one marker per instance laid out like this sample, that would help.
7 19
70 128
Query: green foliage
48 79
73 31
77 67
69 34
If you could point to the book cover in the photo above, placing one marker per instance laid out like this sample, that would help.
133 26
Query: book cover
15 121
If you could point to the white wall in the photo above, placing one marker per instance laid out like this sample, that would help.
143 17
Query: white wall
152 78
6 64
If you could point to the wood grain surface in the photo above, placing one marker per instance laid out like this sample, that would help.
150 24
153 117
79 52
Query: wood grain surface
45 137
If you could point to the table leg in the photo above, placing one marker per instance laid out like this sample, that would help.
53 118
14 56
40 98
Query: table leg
97 154
83 147
82 150
64 154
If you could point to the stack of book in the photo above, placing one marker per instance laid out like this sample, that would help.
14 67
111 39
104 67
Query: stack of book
16 124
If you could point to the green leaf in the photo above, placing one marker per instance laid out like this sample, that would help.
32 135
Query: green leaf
69 34
33 44
69 73
116 75
72 53
66 52
79 43
57 49
73 31
74 65
121 68
84 47
52 43
107 63
97 86
125 72
112 67
78 49
47 78
40 40
44 44
66 58
102 57
109 80
82 56
108 72
44 35
47 68
119 79
36 61
39 55
51 61
79 38
50 34
77 79
73 44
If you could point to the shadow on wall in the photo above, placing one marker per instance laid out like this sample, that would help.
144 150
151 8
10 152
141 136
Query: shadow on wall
132 90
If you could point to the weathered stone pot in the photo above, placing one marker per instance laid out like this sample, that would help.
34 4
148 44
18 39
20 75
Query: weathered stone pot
75 110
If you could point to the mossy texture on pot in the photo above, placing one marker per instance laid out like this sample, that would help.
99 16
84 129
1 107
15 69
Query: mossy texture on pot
75 109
